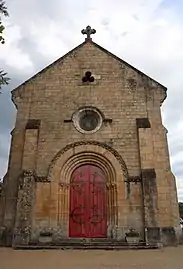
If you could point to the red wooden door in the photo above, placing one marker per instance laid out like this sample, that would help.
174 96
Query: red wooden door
88 203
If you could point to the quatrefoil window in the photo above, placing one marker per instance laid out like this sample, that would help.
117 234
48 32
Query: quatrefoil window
88 77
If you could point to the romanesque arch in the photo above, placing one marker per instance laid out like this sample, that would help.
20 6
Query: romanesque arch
82 153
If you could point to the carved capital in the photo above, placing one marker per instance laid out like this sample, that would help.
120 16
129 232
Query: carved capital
134 179
64 185
26 177
42 179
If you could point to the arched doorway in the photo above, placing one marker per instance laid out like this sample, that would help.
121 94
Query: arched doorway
88 202
61 170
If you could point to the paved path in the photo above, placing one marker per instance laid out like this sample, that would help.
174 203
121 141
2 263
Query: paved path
167 258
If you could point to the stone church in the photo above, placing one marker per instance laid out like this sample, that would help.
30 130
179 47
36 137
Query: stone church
89 161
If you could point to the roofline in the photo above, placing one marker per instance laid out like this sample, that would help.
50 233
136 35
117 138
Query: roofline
104 50
129 65
48 66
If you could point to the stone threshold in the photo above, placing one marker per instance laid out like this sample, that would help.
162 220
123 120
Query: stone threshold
127 247
105 245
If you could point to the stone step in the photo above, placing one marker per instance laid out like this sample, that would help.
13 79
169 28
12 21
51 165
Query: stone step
94 245
86 247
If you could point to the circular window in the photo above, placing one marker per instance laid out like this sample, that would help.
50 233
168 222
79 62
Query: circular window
87 120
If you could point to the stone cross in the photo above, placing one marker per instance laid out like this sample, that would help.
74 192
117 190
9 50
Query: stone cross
88 31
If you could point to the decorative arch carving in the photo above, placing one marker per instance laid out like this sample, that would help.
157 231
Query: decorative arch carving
78 154
95 143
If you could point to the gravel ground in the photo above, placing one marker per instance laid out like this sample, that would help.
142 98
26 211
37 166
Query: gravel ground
167 258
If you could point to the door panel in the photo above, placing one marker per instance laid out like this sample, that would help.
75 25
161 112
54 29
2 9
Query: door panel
97 216
78 212
88 203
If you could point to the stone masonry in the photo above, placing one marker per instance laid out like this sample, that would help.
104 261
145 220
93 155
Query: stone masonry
130 146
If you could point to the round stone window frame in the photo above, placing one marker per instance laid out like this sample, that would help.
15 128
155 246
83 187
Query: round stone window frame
76 119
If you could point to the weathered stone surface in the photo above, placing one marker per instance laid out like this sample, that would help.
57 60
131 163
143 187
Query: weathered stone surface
169 236
153 234
33 124
150 197
25 203
143 123
1 203
130 147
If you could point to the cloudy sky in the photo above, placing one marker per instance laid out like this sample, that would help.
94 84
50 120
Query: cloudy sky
145 33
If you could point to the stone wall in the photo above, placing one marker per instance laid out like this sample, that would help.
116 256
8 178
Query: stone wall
1 203
25 205
44 127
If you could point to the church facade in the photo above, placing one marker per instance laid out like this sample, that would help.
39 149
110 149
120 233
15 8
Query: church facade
89 155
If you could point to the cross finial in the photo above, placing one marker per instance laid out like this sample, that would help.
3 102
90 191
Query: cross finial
88 31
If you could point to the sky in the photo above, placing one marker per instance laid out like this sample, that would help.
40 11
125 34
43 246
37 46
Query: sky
145 33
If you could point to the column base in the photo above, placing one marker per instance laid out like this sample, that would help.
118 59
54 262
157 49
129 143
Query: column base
167 236
6 237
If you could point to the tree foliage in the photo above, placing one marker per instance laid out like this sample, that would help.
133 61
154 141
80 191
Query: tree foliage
3 78
3 11
3 8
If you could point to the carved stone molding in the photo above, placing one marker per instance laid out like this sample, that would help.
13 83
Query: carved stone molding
25 178
27 174
134 179
64 185
96 143
41 179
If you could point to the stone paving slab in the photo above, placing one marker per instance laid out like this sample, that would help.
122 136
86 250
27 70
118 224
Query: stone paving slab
166 258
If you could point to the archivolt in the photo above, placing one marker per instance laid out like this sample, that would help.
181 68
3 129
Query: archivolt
95 143
83 158
81 153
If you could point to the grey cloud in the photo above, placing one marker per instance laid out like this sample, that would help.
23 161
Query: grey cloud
70 15
178 169
28 46
41 11
29 10
7 118
7 111
3 147
124 34
175 146
105 21
135 17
